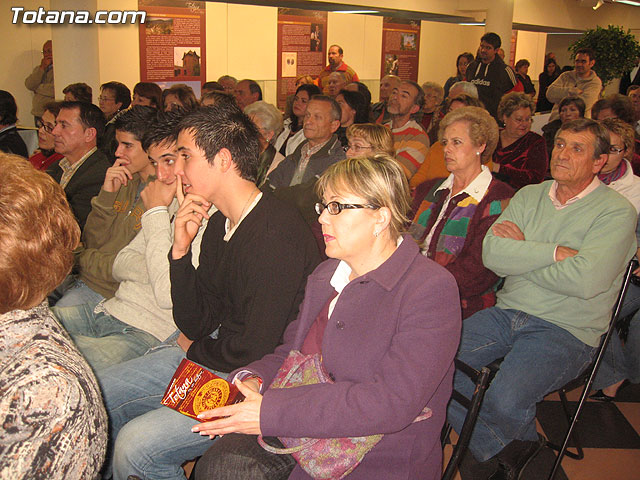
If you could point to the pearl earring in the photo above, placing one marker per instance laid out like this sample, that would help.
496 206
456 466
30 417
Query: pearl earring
376 234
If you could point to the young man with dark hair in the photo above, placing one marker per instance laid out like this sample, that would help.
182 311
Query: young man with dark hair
581 82
115 212
139 316
233 308
490 74
79 127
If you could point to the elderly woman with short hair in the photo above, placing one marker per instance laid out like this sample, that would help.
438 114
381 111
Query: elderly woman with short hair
452 215
432 111
53 422
521 155
268 119
384 322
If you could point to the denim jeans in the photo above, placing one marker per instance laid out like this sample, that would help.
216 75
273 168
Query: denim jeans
621 362
102 339
78 294
539 357
148 439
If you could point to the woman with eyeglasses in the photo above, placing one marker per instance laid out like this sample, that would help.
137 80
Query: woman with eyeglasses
452 215
368 139
521 155
621 362
45 156
385 322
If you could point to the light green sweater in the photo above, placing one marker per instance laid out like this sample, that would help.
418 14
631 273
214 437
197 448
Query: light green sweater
577 293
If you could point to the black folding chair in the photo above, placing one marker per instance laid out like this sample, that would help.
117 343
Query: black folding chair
586 379
481 380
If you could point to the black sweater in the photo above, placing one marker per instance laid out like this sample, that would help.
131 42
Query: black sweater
249 287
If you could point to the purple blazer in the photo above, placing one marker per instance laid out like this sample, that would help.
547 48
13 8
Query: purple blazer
389 344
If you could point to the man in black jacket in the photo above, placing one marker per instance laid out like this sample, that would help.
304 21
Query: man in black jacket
490 74
256 253
81 172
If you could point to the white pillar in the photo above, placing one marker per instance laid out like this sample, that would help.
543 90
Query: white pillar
500 20
75 49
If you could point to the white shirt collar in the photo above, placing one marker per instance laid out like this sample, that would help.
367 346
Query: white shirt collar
227 224
559 206
476 189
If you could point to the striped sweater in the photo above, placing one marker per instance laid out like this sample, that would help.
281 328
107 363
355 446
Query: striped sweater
411 144
457 241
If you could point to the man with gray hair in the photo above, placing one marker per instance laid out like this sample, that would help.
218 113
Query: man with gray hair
228 83
561 246
336 64
321 148
379 110
337 81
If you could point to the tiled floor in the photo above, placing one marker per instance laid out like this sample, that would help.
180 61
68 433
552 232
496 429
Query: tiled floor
609 433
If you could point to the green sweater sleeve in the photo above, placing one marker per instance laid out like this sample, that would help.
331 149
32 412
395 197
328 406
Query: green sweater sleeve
599 261
506 256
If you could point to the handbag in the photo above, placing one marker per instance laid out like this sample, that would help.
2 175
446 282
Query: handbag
321 458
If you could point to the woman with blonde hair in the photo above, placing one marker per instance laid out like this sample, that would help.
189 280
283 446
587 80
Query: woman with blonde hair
452 215
54 423
381 319
368 139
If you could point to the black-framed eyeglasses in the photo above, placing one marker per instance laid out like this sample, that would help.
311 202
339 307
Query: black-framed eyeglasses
47 127
334 208
614 149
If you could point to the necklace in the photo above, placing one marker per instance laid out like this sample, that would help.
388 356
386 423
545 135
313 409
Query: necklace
247 204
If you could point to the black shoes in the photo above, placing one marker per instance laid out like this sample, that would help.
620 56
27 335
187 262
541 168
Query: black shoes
601 397
515 457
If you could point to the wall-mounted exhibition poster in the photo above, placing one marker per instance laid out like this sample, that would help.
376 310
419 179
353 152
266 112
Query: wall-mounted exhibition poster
172 42
400 48
302 47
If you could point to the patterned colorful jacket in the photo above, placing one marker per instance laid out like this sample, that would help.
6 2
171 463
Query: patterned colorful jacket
457 240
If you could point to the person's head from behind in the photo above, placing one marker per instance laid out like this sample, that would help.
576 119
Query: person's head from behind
354 108
131 126
516 110
581 148
621 143
614 106
228 83
369 139
246 92
179 96
463 87
364 206
387 84
46 140
571 108
79 127
336 82
469 136
160 144
321 119
212 98
8 109
147 94
462 62
78 92
38 234
462 100
405 100
114 96
267 118
304 80
214 145
360 88
489 45
211 87
433 96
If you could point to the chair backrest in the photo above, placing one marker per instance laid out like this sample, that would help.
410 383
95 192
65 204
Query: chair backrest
481 380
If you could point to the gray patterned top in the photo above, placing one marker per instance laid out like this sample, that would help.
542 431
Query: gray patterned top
53 421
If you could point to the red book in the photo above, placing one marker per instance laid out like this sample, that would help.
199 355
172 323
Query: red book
194 389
